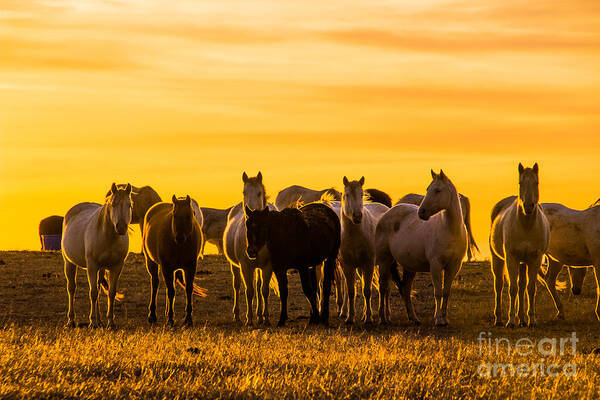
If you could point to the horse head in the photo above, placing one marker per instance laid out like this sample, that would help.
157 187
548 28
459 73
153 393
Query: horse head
529 192
119 207
438 196
254 192
183 217
352 200
257 229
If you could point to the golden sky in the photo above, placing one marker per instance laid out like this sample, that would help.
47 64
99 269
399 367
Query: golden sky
186 95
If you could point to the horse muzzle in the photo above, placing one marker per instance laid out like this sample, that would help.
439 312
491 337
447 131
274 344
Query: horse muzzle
121 228
357 218
180 238
423 214
251 253
528 208
576 291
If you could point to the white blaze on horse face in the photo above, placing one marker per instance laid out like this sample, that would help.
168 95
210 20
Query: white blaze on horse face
436 199
352 200
529 193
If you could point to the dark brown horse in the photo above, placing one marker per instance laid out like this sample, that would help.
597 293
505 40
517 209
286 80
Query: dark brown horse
301 239
50 226
172 239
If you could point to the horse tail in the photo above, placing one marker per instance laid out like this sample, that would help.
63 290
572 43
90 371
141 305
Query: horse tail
102 282
541 277
198 290
274 285
472 245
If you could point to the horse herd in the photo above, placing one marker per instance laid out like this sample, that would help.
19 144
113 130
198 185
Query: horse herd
331 238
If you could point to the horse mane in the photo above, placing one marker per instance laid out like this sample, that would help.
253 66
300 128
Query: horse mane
594 204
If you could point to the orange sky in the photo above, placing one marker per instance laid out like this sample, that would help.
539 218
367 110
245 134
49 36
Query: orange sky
186 95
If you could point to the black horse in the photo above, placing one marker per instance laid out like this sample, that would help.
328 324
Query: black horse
301 239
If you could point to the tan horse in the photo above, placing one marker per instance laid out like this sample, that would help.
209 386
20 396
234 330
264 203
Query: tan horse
234 240
465 204
294 194
429 238
519 238
357 250
574 238
94 237
172 240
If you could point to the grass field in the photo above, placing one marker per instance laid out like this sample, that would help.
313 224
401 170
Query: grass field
221 359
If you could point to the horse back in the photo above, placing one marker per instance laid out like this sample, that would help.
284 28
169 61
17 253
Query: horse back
75 226
51 225
574 234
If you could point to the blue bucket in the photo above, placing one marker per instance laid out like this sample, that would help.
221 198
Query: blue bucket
51 242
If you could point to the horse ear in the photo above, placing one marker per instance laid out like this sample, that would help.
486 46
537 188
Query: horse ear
174 199
536 169
259 177
244 177
113 188
128 189
362 180
442 174
433 174
345 180
521 168
188 198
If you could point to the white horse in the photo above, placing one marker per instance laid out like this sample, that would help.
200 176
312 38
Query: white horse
95 238
357 250
215 221
429 238
234 240
519 238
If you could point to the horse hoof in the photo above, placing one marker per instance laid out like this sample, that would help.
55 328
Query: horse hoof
266 322
510 325
349 321
367 321
71 324
281 324
111 325
248 323
560 316
498 322
171 323
417 322
93 325
523 324
441 324
152 319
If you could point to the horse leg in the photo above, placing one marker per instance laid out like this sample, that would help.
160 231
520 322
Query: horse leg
339 290
152 269
522 285
113 277
512 266
237 282
597 277
349 274
436 277
219 246
190 272
92 275
248 276
281 275
267 273
259 300
310 293
408 277
554 268
533 268
71 275
328 275
498 274
169 278
367 283
384 288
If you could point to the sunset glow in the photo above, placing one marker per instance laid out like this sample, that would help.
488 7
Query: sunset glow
185 96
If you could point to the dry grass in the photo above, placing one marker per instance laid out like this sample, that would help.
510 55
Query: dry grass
218 358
